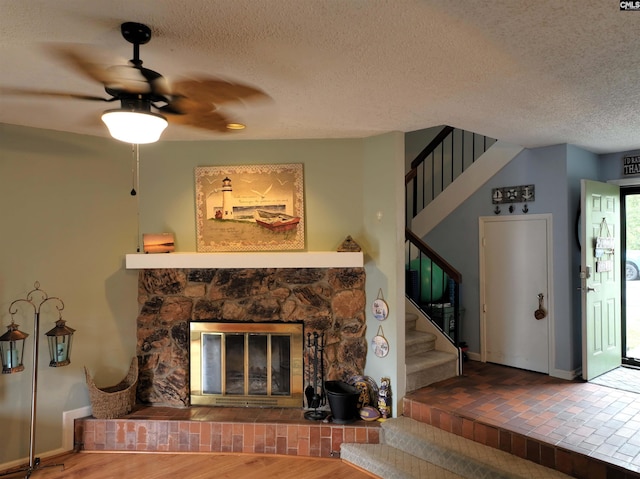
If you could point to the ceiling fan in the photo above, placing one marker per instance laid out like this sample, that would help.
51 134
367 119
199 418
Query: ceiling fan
147 101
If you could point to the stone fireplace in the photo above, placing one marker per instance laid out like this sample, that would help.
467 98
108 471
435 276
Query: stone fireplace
330 301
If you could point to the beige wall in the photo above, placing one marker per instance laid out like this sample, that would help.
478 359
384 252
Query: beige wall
68 219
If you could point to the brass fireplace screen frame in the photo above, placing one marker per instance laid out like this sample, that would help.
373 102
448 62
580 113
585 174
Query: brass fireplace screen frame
293 330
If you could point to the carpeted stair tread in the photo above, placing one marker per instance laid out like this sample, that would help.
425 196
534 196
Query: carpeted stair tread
390 463
414 336
410 320
418 362
459 455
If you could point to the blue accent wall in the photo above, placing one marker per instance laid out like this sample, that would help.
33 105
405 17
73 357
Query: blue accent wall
555 171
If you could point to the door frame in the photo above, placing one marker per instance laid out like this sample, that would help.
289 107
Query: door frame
598 357
624 192
549 300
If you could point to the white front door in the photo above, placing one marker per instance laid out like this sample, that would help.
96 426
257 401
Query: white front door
515 264
601 278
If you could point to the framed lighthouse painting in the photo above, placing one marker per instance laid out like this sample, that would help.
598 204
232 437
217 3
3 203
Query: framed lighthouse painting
250 208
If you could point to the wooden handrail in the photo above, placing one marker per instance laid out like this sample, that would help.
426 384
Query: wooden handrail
451 272
439 138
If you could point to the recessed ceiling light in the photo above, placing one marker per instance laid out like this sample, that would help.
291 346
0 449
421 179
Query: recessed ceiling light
236 126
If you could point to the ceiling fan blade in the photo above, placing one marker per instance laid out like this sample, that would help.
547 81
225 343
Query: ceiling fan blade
210 120
52 94
200 94
89 62
117 75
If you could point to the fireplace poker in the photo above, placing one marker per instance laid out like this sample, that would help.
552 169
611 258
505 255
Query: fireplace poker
316 397
308 392
314 400
322 391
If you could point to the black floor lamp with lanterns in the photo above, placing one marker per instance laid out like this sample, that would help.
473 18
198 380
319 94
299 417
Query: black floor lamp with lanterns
12 351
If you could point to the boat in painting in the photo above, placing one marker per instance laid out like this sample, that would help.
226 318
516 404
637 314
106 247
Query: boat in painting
276 221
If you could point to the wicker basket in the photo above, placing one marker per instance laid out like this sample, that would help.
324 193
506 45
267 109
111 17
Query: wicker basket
114 401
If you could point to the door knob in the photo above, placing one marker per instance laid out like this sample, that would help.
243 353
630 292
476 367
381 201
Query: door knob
588 289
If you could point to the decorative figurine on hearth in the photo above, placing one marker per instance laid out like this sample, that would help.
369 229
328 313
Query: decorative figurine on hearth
384 399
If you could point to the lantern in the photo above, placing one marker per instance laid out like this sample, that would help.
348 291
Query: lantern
12 349
59 339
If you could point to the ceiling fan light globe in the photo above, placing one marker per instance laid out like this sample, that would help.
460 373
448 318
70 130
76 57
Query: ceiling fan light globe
136 127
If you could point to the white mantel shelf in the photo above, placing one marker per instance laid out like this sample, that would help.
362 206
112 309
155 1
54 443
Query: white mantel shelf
306 259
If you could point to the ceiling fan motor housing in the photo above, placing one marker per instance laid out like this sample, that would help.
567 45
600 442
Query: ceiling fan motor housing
135 104
136 33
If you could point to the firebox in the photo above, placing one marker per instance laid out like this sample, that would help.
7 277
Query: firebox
246 364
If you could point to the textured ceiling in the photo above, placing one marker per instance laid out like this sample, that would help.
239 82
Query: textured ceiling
534 73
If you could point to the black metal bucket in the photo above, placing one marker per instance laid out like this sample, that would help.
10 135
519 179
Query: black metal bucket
343 401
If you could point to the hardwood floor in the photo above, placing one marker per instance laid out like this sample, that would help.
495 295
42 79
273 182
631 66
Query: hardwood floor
109 465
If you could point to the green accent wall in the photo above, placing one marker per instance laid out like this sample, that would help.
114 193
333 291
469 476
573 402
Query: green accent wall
69 219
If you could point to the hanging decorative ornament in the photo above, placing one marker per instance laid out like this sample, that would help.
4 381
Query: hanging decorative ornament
380 307
380 344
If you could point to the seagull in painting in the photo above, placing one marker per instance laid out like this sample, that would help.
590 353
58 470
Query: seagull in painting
262 195
246 180
282 182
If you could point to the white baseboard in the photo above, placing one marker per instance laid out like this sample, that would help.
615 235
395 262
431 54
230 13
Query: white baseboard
564 374
473 356
555 373
68 418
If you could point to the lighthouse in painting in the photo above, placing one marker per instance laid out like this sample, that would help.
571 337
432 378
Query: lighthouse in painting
227 201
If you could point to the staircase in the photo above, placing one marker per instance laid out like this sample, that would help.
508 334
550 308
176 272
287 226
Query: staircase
412 449
424 363
447 171
408 448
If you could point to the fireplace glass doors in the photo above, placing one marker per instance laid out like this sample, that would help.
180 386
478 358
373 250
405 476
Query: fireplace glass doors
246 364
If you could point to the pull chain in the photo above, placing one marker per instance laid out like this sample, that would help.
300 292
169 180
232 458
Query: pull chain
135 184
134 176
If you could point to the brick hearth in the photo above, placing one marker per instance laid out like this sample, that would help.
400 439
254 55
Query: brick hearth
221 429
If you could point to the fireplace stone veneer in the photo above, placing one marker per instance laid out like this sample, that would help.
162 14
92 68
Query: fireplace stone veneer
330 301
